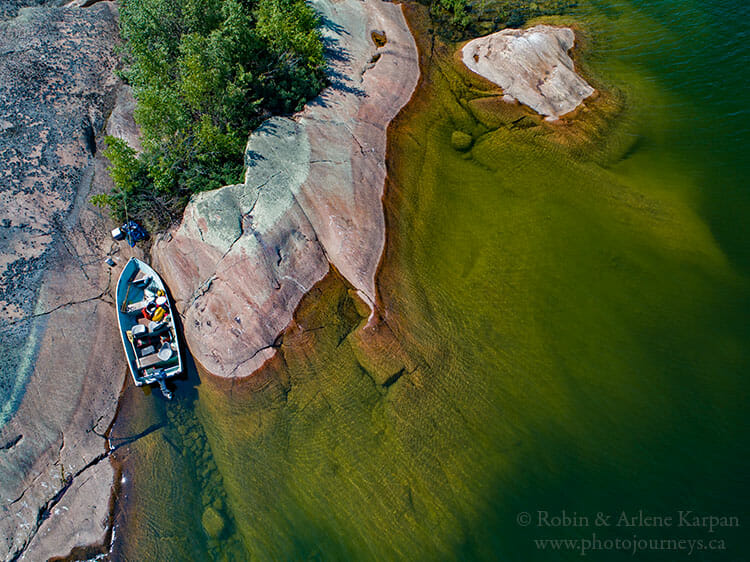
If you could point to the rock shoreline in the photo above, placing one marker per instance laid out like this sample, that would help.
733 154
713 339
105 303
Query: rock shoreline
245 255
238 265
55 472
61 363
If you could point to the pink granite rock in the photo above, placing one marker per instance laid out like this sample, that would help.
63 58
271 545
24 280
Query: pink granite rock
531 66
61 362
244 255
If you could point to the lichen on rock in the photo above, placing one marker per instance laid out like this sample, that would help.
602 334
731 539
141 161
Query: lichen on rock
61 362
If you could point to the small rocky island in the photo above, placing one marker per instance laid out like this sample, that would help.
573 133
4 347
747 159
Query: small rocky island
532 66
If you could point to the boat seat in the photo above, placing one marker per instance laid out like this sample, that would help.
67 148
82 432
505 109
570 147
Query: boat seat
142 281
149 360
154 361
156 327
137 307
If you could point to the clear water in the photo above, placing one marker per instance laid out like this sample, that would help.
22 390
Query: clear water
575 325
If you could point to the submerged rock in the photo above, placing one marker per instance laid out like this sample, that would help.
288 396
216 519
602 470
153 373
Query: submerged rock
461 141
245 255
213 522
531 66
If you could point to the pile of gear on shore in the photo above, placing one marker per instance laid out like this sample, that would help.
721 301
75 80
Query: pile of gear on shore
130 231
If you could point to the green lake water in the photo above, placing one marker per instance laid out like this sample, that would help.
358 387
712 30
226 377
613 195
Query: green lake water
574 324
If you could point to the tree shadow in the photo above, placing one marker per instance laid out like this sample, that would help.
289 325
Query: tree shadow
329 24
337 57
252 157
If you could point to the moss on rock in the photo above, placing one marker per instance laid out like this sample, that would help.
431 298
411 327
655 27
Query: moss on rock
461 141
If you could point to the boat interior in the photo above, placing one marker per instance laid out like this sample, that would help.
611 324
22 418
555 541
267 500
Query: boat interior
153 352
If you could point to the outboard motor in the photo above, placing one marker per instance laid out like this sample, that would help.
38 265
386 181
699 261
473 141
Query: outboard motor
163 387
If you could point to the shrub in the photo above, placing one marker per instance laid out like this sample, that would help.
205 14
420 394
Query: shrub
461 19
204 74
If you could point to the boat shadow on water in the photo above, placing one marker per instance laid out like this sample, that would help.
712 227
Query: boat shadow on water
184 386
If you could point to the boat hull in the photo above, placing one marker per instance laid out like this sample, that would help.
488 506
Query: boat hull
135 287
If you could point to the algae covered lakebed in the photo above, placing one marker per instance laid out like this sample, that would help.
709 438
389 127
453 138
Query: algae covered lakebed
564 330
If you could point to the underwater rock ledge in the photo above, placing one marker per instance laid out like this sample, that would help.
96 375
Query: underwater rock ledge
245 255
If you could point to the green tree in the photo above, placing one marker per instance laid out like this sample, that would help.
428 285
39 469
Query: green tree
126 171
204 74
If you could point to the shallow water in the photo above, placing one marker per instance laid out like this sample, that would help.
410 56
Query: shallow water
574 319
